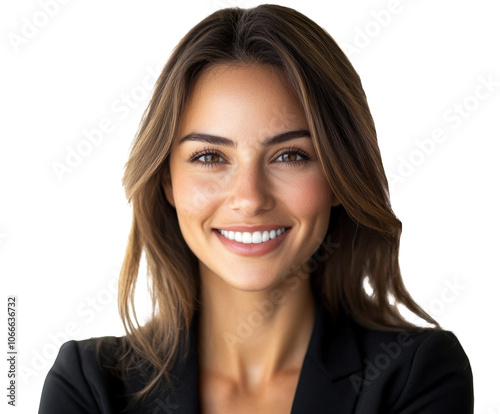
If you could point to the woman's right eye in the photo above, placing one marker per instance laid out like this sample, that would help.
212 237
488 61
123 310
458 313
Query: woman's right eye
210 158
207 159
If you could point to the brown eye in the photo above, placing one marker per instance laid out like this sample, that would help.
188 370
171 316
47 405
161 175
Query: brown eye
290 157
207 158
211 158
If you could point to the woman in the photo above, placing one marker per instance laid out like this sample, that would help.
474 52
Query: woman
261 205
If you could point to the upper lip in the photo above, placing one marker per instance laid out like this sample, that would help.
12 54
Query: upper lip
250 229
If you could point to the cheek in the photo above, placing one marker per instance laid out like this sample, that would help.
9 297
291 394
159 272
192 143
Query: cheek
195 195
309 195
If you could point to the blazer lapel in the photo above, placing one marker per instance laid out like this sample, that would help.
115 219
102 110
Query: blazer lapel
332 356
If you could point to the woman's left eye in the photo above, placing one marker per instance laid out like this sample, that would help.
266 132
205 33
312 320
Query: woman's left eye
292 157
289 157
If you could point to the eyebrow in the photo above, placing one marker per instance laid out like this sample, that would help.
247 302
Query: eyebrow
226 142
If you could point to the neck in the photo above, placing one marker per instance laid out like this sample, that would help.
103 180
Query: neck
252 337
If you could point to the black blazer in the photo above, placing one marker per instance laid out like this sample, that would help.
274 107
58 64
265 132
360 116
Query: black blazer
347 369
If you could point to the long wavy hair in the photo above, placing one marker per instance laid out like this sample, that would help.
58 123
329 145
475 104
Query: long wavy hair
363 228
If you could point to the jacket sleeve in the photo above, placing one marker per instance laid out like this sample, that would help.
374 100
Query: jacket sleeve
439 380
66 389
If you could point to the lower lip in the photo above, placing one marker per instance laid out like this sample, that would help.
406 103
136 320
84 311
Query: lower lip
250 249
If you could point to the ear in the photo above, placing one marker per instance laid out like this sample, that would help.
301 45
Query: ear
335 201
166 182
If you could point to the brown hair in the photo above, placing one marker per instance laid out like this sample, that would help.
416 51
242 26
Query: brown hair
364 226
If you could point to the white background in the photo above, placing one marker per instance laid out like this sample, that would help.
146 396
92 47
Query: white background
62 241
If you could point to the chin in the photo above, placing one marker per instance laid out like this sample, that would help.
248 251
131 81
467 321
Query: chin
251 283
247 280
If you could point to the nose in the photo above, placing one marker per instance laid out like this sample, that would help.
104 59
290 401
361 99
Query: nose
250 191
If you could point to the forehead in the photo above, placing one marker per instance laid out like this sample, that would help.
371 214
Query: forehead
242 100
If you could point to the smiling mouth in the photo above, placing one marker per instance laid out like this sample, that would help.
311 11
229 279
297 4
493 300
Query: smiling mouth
255 237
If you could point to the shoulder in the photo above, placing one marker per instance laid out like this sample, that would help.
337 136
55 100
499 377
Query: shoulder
413 371
85 352
81 379
88 357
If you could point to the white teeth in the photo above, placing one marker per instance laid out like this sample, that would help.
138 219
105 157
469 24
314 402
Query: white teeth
256 237
265 236
228 234
252 238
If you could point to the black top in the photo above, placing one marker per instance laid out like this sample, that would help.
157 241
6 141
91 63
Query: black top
347 369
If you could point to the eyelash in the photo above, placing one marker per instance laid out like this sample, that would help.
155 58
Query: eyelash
194 157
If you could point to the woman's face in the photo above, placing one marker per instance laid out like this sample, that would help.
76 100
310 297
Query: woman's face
242 171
